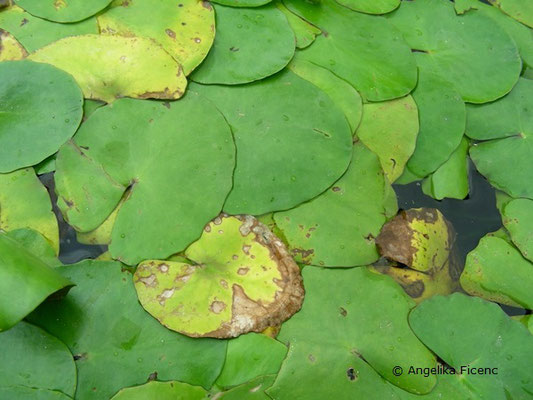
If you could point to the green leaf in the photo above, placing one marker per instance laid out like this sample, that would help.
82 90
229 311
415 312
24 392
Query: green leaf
23 392
517 218
40 109
367 52
371 6
63 10
252 390
336 229
17 212
304 32
32 358
261 355
520 10
170 155
390 130
185 29
10 48
172 390
110 334
36 244
240 279
505 157
34 33
292 142
495 270
469 50
250 44
469 332
242 3
110 67
25 282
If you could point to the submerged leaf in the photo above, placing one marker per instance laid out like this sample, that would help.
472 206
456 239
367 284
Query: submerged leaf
240 279
63 10
110 67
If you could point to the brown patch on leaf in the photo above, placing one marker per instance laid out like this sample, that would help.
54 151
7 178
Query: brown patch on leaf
243 271
414 289
217 306
170 33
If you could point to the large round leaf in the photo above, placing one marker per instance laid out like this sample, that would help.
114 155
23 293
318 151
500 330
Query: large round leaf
32 358
63 10
467 332
521 10
292 142
251 44
40 108
17 212
367 52
184 28
371 6
505 158
176 158
390 130
110 67
34 33
470 50
352 328
110 335
240 279
337 228
517 218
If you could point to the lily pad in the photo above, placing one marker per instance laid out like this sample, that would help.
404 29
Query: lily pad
185 29
36 244
469 50
63 10
16 212
471 333
41 109
363 334
10 48
337 228
32 358
371 6
495 270
250 44
34 33
25 282
366 51
518 219
175 188
172 390
104 305
240 279
110 67
520 10
261 354
451 178
304 32
442 116
292 142
341 92
390 130
505 157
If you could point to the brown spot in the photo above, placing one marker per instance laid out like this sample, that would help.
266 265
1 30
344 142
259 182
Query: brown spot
165 295
311 358
217 221
223 283
243 271
217 306
255 389
234 49
163 268
80 356
170 33
166 104
336 188
207 228
343 312
235 257
149 281
197 40
23 22
152 376
351 374
246 249
207 5
163 94
414 289
304 254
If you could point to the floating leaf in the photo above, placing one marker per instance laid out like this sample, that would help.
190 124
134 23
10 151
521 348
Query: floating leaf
467 332
304 32
251 44
25 282
451 178
16 212
520 10
63 10
442 116
390 130
185 29
336 229
36 244
10 48
378 64
41 108
261 354
495 270
104 305
172 390
506 125
363 332
32 358
110 67
517 218
292 142
240 279
469 50
175 189
371 6
34 33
